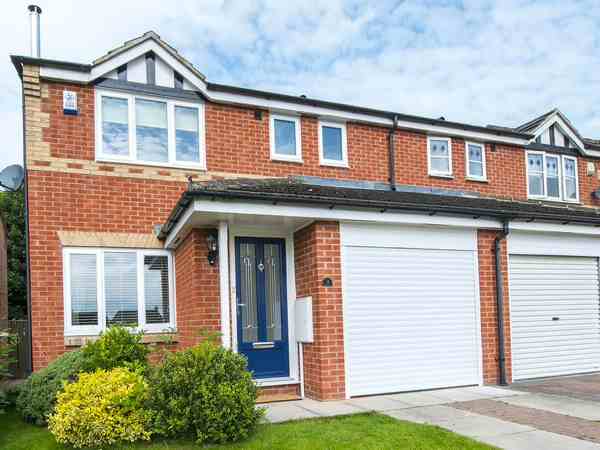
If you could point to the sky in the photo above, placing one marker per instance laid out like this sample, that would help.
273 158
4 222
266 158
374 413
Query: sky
475 61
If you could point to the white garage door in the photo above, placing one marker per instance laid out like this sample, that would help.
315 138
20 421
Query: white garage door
410 313
555 315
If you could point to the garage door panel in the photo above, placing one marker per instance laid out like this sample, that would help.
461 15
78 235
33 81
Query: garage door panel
410 319
547 287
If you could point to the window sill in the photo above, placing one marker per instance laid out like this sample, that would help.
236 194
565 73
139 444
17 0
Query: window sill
286 160
477 180
441 175
148 338
106 160
337 165
554 201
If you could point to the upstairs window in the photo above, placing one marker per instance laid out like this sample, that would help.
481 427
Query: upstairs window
106 287
475 161
285 138
552 177
439 152
332 144
149 131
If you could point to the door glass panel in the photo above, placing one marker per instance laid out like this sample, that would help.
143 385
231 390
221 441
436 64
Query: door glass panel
273 291
248 303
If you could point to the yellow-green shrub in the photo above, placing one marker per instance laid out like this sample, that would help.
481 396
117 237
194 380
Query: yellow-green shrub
101 408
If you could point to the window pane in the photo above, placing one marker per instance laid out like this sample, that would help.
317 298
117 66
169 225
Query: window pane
552 181
273 291
438 148
476 169
115 126
120 288
332 143
475 153
186 134
440 165
285 137
570 168
536 185
156 289
151 131
248 300
571 188
553 186
84 304
535 163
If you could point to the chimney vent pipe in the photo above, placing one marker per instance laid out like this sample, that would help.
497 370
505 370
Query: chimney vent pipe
34 24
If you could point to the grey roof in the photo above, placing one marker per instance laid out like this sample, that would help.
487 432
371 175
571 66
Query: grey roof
533 123
294 190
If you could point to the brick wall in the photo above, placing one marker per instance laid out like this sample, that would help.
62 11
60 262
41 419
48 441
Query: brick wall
488 309
317 256
197 286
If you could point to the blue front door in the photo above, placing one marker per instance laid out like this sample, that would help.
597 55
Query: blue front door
262 305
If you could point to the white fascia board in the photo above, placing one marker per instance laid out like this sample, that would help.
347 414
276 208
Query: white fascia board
544 227
73 76
219 207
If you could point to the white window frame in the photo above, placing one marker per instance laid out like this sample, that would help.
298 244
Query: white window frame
290 118
561 175
93 330
564 179
131 158
469 175
435 173
333 162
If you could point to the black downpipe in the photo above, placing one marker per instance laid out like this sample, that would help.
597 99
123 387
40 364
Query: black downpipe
500 302
392 154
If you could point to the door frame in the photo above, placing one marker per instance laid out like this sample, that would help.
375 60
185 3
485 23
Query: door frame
263 232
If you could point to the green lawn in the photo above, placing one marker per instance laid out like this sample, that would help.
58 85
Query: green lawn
361 431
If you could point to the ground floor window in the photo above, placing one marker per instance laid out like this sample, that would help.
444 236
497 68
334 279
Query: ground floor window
105 287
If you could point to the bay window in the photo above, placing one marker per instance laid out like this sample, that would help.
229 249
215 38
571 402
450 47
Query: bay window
105 287
552 176
147 130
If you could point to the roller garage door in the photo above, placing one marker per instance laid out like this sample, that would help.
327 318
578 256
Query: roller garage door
410 308
555 315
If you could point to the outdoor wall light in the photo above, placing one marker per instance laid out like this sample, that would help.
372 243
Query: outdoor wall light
212 245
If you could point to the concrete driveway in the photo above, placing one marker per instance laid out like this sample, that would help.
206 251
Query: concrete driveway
583 387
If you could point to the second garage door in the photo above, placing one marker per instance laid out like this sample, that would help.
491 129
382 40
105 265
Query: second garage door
410 309
555 315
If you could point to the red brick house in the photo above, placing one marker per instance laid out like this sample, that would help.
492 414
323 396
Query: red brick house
163 201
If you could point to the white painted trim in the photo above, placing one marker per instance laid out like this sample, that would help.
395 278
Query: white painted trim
477 282
561 177
332 162
566 128
436 173
264 382
344 288
131 158
468 175
224 283
542 227
564 178
99 252
297 157
256 231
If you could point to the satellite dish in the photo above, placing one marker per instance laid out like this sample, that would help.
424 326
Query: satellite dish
11 177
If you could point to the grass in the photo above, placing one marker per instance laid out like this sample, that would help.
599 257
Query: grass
360 431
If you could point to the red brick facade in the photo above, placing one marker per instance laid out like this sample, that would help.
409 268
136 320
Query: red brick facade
317 256
70 191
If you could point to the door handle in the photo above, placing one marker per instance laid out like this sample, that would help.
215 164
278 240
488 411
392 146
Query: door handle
262 345
555 318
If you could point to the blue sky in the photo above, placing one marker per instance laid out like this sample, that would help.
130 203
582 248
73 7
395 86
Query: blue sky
474 61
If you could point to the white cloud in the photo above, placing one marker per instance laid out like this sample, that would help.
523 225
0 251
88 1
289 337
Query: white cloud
475 61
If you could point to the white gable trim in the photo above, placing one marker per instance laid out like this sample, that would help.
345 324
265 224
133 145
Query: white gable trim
555 118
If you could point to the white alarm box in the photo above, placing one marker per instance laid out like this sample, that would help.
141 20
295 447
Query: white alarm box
304 320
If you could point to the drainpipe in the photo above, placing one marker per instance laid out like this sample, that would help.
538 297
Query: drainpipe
500 301
392 154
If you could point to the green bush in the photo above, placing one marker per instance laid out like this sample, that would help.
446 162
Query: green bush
116 347
101 408
205 392
8 343
37 395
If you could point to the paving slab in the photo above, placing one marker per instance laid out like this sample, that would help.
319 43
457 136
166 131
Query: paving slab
542 440
378 403
557 404
282 412
584 387
419 398
328 409
493 391
459 394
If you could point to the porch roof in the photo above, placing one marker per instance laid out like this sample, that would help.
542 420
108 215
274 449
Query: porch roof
407 198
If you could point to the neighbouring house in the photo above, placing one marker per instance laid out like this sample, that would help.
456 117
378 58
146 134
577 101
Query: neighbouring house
432 253
3 272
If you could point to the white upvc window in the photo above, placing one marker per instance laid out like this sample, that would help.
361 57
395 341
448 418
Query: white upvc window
552 177
333 144
439 156
285 139
475 161
149 130
106 286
